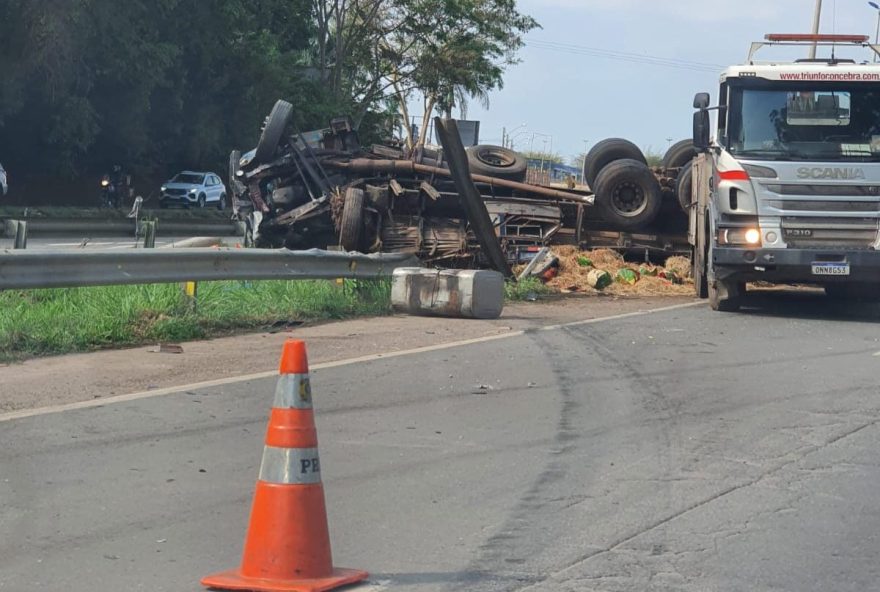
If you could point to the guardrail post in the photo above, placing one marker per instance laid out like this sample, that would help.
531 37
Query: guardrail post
20 234
190 292
149 230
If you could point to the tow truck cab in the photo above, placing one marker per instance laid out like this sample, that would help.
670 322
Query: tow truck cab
789 188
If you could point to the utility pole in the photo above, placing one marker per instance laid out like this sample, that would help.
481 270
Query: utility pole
816 16
504 137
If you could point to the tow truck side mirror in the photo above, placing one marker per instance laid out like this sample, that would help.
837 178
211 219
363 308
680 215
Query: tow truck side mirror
701 130
701 122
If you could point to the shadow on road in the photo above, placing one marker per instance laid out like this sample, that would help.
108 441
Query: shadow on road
810 304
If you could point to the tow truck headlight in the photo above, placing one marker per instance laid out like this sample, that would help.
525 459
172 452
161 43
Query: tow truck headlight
739 236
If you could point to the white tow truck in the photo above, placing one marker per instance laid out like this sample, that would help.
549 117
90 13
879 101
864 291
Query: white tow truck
788 190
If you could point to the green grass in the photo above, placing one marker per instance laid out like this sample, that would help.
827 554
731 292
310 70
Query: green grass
54 321
525 289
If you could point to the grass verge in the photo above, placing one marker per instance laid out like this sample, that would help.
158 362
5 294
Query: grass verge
55 321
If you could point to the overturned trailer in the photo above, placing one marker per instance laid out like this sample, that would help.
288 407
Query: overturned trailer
321 189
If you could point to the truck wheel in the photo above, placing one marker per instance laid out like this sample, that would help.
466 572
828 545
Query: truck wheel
627 194
684 186
352 223
276 123
724 295
495 161
679 154
608 151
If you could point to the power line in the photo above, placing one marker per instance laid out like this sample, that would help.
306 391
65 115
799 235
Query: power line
624 56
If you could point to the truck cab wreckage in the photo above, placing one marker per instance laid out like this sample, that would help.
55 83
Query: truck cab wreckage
321 189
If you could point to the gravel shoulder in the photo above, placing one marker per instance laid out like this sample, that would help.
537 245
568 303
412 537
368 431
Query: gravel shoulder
82 377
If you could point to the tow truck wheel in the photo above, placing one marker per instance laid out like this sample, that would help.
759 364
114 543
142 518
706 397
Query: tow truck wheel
725 295
352 224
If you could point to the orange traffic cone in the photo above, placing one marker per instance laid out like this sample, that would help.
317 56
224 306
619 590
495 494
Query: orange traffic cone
287 546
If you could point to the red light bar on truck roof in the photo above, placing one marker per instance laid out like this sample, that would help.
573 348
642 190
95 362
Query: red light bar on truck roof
816 38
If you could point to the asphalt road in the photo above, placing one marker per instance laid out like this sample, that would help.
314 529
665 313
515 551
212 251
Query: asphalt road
680 450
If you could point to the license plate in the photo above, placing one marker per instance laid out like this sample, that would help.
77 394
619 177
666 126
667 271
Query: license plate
830 268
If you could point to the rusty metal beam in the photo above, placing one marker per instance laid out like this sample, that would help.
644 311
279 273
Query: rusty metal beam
471 200
370 165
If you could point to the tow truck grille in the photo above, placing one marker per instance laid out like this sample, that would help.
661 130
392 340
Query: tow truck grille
792 205
828 232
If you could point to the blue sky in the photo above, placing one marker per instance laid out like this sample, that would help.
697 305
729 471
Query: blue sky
574 97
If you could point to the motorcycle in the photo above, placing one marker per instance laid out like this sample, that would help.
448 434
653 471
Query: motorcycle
110 197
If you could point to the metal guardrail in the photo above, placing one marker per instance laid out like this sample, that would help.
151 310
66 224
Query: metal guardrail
38 227
57 269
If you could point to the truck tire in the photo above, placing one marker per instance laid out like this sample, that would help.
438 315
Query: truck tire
352 223
276 123
724 295
627 194
608 151
684 185
679 154
496 161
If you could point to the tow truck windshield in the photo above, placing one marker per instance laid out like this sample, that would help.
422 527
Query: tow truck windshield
819 122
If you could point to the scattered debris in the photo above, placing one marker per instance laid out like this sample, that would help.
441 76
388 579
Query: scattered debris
610 273
170 348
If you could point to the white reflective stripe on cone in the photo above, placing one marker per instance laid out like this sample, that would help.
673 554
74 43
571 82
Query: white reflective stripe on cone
293 391
290 465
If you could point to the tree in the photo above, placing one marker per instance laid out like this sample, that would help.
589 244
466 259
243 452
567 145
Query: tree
654 157
448 50
544 156
94 82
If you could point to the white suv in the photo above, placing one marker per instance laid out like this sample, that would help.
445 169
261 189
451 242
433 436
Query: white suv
191 188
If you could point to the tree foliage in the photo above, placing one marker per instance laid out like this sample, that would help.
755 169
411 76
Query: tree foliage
160 85
545 156
154 84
